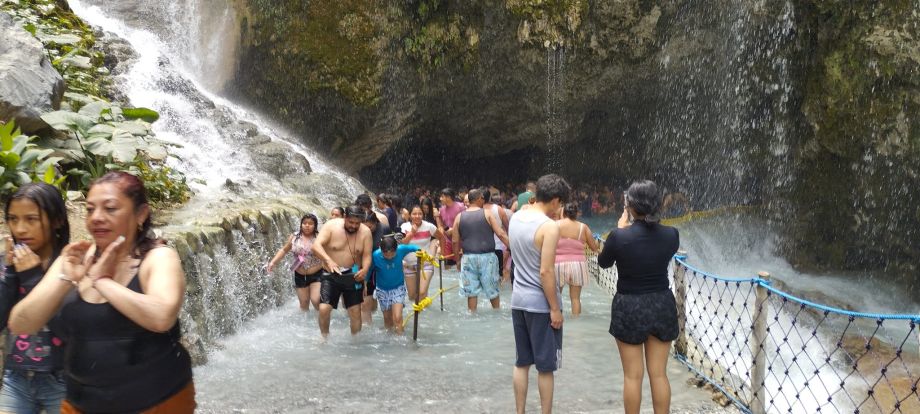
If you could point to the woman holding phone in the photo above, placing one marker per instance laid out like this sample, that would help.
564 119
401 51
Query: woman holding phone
643 312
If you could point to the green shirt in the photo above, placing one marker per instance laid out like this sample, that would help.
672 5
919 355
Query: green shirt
524 199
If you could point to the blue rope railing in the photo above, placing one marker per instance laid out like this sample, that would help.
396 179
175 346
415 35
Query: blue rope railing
769 351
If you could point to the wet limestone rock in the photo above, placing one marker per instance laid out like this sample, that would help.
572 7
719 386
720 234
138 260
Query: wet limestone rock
29 85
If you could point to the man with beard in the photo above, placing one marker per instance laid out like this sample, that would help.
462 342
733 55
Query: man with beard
344 246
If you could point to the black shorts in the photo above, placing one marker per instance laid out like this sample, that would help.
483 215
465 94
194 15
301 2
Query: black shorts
535 341
333 286
302 281
634 317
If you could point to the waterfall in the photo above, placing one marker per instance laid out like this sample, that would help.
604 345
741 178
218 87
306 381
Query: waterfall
246 202
556 124
720 111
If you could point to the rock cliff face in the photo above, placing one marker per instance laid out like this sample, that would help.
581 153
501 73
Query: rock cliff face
808 106
29 85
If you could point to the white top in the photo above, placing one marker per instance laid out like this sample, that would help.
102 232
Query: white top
421 238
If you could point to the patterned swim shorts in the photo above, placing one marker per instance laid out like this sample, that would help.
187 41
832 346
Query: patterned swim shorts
387 298
479 275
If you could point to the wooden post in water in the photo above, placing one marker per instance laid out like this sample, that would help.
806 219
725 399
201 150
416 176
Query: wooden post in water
680 297
418 295
758 347
441 281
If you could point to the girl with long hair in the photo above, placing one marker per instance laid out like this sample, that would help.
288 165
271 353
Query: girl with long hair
33 380
306 266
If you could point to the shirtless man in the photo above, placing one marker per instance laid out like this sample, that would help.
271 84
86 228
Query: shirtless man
344 246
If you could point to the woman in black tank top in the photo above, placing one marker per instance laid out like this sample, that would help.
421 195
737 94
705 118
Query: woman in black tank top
119 301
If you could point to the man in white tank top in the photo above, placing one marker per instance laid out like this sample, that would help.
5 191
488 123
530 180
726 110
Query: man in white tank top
536 306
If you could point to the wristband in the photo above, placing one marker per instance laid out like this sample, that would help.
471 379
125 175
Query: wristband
64 278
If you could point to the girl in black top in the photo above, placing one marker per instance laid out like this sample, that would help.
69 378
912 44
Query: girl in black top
118 312
643 313
37 219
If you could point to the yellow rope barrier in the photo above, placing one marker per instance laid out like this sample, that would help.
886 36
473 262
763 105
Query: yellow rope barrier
426 257
425 303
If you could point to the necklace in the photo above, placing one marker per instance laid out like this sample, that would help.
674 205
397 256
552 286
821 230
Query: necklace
352 247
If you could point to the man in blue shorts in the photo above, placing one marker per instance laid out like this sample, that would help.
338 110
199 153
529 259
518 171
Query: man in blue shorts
536 307
475 232
391 284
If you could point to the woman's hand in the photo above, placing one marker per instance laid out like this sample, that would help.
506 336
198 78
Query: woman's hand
76 260
107 264
23 258
271 265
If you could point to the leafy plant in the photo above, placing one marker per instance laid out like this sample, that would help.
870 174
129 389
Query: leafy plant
21 162
100 138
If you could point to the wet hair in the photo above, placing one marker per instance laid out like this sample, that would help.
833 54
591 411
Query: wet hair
386 198
552 186
486 194
371 217
645 199
355 211
496 199
394 202
49 201
133 188
571 211
450 192
340 209
429 216
388 244
474 195
311 217
364 201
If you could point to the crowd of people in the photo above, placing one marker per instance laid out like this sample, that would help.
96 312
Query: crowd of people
363 257
94 324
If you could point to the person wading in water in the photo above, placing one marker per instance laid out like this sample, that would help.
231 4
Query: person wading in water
344 246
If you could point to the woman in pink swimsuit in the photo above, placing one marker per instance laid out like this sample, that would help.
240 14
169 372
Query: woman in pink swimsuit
306 266
571 263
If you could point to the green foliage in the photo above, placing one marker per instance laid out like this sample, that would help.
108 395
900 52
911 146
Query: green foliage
22 162
165 186
96 136
100 138
439 37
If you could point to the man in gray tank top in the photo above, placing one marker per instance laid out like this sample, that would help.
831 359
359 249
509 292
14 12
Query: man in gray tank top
476 228
536 307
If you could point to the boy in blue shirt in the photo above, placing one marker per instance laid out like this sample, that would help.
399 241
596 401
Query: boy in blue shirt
391 283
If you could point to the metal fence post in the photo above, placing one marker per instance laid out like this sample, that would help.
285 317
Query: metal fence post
758 347
680 297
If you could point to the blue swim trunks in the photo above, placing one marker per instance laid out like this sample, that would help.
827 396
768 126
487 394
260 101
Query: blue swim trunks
387 298
479 275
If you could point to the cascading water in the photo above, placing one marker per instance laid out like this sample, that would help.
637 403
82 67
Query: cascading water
555 98
223 260
205 126
721 110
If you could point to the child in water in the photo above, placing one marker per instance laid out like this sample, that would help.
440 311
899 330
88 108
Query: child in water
387 270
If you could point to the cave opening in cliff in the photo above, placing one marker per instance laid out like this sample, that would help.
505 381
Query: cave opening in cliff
433 164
